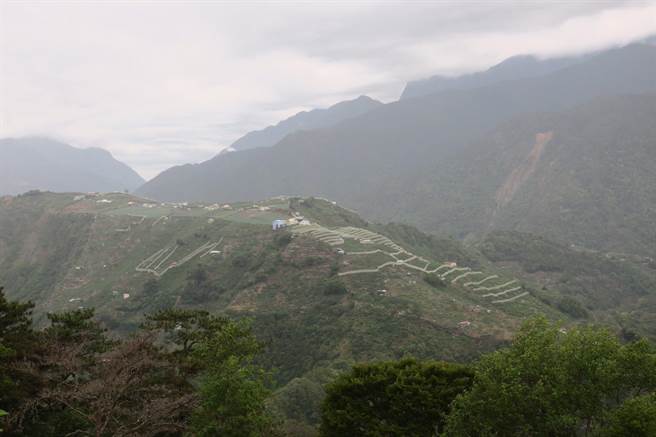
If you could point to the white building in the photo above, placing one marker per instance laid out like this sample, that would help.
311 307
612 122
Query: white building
278 224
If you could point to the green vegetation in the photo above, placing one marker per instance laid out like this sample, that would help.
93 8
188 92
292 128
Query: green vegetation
3 413
187 371
634 418
547 382
551 382
71 378
334 287
232 388
434 280
313 321
405 397
580 283
572 307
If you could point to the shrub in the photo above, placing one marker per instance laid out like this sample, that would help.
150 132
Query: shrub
572 307
434 281
334 287
282 239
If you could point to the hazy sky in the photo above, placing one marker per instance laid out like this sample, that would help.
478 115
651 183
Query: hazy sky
163 83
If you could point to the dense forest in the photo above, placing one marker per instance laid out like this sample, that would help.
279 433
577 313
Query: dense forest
186 372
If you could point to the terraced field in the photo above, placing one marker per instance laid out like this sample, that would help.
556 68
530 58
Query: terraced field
381 252
159 262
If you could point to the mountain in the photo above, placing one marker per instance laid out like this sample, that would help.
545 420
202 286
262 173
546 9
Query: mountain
516 67
323 294
43 164
582 176
306 120
413 160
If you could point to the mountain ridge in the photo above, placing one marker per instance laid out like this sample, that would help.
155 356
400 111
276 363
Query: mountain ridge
515 67
39 163
305 120
398 162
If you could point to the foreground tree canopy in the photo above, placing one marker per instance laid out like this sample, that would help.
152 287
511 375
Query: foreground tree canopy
556 383
184 372
406 397
549 382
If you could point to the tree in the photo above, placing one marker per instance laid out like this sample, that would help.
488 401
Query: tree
434 280
150 288
552 382
197 276
17 342
3 413
74 380
15 320
199 288
407 397
333 287
184 329
635 418
220 352
129 390
91 385
233 390
79 330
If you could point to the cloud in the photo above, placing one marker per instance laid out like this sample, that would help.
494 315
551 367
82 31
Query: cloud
160 84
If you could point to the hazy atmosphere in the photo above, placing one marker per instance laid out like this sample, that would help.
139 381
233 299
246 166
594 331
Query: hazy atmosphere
328 218
162 84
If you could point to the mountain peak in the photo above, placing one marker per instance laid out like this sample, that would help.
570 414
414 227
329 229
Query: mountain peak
306 120
37 162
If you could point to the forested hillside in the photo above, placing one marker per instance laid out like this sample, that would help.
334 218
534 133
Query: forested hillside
323 295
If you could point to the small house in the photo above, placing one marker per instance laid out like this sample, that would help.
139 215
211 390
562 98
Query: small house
278 224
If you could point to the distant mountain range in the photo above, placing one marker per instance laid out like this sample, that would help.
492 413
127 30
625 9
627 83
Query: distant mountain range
306 120
517 67
513 154
40 163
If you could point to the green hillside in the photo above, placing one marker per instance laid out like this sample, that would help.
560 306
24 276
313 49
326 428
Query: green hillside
324 293
609 288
